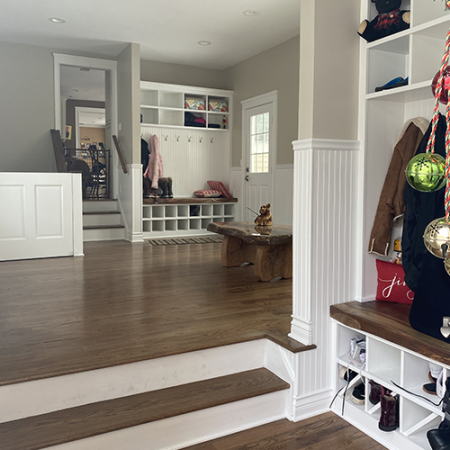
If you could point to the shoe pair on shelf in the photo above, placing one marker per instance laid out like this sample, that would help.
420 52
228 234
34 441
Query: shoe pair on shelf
439 439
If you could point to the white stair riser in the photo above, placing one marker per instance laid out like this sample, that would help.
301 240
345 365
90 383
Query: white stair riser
51 394
104 234
94 206
101 219
189 429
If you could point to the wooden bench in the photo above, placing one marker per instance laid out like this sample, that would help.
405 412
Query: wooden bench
268 248
390 321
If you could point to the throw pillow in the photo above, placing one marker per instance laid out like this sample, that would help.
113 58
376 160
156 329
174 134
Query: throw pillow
207 193
391 284
219 186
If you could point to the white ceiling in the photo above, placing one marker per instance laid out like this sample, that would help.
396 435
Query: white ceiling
167 30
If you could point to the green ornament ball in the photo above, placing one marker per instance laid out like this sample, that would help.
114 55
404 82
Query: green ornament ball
426 172
437 238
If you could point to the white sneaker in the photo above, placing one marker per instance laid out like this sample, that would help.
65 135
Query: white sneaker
357 351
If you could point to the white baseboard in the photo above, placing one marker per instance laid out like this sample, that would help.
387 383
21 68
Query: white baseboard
312 404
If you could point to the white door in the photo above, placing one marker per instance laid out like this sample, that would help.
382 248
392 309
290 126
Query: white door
259 148
36 215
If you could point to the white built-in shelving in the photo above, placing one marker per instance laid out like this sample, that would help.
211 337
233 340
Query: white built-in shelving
386 364
415 53
165 105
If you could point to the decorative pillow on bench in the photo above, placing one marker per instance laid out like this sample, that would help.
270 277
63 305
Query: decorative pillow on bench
207 193
391 284
219 186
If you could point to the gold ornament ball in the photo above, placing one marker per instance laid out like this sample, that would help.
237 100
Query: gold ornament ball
436 235
426 172
447 265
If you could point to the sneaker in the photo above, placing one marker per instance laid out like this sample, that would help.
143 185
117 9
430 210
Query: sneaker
359 394
346 374
357 351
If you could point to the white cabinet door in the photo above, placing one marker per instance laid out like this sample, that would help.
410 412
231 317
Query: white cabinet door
35 215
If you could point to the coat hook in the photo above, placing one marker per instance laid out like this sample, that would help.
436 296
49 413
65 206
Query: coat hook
189 138
200 140
178 138
212 140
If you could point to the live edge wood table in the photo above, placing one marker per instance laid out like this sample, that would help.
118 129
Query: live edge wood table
268 248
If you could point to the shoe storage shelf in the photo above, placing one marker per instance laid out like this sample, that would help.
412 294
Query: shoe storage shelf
415 54
184 219
166 105
399 369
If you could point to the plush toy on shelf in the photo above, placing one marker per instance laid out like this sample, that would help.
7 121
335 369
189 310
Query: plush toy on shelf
390 19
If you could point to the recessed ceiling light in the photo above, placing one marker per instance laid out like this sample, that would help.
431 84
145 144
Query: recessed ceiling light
250 13
56 20
204 43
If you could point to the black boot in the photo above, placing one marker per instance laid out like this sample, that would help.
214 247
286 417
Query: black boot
169 187
440 439
163 184
389 418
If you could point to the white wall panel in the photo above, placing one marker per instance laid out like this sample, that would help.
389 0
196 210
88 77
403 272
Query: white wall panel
12 205
49 211
324 224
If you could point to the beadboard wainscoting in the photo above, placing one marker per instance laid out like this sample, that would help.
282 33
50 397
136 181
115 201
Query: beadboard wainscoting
324 221
192 157
282 204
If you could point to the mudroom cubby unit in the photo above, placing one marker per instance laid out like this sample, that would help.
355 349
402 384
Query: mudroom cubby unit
166 104
189 217
391 366
415 54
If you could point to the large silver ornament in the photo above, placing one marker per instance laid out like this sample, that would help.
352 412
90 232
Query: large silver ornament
437 238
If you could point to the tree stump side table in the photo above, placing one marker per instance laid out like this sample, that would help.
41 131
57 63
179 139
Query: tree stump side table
269 248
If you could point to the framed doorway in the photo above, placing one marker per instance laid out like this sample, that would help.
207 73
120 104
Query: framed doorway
259 138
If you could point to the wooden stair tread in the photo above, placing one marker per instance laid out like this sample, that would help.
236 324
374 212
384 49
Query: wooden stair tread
390 321
92 213
71 424
101 227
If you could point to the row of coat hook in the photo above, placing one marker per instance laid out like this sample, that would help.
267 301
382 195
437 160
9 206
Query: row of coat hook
189 138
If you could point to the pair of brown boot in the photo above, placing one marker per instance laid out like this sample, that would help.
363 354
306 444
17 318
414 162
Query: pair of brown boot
389 418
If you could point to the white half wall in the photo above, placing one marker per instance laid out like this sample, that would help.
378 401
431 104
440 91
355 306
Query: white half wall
325 176
41 215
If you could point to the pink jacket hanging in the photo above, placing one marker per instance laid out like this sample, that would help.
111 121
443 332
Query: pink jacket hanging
155 169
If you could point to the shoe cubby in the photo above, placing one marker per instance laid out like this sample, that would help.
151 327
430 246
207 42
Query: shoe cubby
171 117
184 219
149 97
169 99
383 362
149 116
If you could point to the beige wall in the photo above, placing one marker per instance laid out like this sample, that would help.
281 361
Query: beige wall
274 69
159 72
329 69
91 135
27 109
129 103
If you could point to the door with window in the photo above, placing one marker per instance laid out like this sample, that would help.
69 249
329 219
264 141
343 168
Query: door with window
259 151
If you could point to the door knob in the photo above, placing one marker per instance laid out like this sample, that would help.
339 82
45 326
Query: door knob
247 178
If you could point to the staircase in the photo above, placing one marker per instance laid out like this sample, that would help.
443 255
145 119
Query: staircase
167 403
102 221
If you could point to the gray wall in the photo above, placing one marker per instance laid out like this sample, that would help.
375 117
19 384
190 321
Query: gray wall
129 103
159 72
274 69
329 70
27 110
70 116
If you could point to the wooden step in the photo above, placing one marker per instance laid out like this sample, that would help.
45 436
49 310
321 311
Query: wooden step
102 227
91 213
71 424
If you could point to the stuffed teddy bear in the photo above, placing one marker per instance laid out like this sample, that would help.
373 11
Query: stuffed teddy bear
390 20
265 216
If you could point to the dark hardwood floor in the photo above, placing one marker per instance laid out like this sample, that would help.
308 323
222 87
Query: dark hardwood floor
324 432
125 302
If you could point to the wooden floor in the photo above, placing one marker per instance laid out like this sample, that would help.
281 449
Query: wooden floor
324 432
125 302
